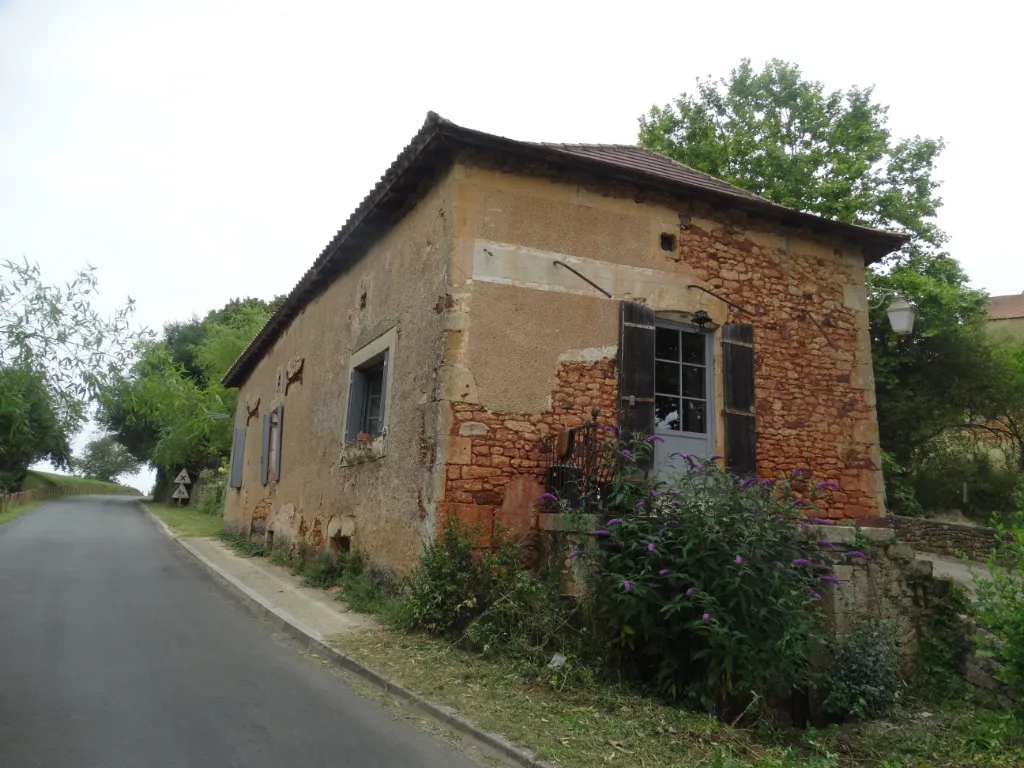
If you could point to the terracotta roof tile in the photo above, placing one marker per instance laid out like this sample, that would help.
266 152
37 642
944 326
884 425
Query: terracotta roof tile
1006 307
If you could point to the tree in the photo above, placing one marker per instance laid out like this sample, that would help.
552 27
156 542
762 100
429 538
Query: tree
106 459
30 426
171 409
790 140
784 138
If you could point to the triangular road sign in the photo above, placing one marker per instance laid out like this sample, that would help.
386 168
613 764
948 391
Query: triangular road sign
181 493
183 478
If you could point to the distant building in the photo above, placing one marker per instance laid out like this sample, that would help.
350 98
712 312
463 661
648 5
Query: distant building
1006 315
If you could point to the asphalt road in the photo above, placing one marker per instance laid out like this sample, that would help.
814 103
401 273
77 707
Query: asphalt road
117 650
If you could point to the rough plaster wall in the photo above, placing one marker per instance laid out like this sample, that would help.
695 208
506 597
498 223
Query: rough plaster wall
388 505
815 387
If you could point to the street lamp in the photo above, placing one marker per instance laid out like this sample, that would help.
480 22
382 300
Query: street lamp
901 316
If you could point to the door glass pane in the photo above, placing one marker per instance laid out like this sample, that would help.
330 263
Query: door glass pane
666 343
693 381
694 418
666 378
692 348
666 412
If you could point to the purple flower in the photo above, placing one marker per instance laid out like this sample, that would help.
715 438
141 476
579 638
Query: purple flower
689 592
738 559
638 505
828 484
802 561
799 503
600 533
547 497
625 586
663 571
627 453
776 563
705 618
828 544
748 482
830 579
767 483
803 523
574 555
857 553
586 551
717 456
613 429
650 584
801 471
815 595
822 521
650 546
654 494
661 531
655 439
615 521
594 570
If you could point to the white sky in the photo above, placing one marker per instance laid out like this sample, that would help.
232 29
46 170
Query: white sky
196 151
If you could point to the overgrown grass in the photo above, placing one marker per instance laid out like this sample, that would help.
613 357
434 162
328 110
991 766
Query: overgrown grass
36 479
7 515
186 522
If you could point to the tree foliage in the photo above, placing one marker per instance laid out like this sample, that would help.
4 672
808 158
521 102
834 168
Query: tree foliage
30 426
831 153
170 409
106 459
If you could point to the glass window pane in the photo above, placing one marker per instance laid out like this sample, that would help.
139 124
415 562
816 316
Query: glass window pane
692 348
693 381
694 416
666 343
666 412
666 378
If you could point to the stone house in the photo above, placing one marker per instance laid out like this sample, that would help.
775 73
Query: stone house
1006 316
489 293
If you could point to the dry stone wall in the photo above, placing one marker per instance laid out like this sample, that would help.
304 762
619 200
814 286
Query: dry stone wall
976 542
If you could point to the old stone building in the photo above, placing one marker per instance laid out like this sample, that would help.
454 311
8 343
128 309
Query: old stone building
488 293
1006 316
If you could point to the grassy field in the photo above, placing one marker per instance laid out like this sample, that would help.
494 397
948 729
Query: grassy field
10 514
49 479
186 522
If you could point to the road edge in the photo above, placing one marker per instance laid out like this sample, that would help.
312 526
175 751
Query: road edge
444 716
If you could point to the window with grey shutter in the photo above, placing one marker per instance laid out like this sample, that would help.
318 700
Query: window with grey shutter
277 442
636 368
738 376
265 450
237 458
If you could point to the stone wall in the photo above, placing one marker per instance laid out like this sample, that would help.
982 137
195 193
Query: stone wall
814 382
977 542
496 466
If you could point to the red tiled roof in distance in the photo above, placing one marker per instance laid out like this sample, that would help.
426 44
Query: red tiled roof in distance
1006 307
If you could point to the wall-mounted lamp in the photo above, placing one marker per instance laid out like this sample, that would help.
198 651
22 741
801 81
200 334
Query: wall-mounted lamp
701 319
900 312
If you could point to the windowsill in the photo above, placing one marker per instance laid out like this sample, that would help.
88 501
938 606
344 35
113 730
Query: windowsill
362 453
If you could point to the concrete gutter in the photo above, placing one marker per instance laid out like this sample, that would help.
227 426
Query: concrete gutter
446 717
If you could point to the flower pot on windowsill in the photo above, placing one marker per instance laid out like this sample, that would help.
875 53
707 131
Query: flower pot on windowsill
366 448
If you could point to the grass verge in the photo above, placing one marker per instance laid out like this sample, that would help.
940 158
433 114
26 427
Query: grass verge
36 479
10 514
586 723
187 522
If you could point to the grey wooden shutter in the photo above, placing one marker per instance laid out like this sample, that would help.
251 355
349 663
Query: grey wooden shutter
636 368
265 450
382 424
740 422
237 458
356 398
277 442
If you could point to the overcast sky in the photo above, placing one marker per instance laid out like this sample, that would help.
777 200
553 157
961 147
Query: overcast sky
196 151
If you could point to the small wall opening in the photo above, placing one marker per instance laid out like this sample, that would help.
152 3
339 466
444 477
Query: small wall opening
668 241
270 539
338 544
362 300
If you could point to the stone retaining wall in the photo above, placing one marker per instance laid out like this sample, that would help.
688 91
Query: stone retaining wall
944 538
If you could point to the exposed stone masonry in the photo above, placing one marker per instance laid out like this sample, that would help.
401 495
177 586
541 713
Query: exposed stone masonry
814 390
496 463
944 538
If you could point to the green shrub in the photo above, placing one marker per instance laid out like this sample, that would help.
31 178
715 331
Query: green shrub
1000 604
702 582
864 680
243 545
323 570
449 585
944 646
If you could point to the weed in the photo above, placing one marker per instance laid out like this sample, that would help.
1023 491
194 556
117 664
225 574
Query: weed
242 545
864 680
944 647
